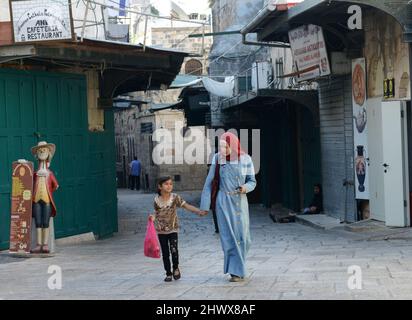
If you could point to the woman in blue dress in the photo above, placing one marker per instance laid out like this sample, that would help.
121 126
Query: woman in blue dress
231 176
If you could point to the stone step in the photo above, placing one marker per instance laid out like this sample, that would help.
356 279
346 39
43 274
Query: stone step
319 221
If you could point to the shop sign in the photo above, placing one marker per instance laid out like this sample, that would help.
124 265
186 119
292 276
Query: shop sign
309 52
41 20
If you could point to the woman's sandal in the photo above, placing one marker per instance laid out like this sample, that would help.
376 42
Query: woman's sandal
176 274
168 279
236 279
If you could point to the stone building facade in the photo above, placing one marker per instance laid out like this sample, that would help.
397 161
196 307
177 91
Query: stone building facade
135 127
134 134
228 55
177 38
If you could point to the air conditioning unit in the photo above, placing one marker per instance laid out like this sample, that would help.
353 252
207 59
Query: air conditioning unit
262 75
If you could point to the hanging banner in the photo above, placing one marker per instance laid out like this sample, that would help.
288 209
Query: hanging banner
41 20
21 207
309 52
360 128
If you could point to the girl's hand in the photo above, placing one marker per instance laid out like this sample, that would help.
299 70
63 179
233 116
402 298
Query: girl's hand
152 217
203 213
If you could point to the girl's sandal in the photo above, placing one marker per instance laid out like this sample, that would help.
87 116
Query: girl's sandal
176 274
168 279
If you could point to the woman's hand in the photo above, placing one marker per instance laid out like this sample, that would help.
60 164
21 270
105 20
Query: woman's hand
242 189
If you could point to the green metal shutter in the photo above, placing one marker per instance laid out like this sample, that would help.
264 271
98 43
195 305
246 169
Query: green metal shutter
38 106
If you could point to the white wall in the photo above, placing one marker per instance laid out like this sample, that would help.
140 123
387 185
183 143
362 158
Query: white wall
4 10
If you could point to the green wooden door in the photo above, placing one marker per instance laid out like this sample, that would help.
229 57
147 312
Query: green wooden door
102 180
17 127
62 120
38 106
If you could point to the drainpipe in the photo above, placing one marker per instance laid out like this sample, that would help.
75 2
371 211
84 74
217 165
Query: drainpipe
262 14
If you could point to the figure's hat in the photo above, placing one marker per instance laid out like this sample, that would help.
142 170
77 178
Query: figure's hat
44 144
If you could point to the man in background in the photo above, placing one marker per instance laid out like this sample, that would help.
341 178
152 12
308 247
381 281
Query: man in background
135 170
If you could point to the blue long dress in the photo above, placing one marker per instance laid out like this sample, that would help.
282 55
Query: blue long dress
232 210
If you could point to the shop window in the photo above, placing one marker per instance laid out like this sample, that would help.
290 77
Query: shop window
146 127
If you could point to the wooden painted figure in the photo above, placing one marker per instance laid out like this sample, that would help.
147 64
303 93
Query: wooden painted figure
45 184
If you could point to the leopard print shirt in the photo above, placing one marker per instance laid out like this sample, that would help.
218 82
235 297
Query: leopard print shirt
166 220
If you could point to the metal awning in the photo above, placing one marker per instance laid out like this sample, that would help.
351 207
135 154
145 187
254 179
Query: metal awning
268 13
164 106
123 67
131 100
274 25
265 97
125 103
184 80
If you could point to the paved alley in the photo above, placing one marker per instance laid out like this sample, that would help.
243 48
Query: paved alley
286 261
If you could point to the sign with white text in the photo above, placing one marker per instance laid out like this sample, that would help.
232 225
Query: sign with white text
41 20
309 52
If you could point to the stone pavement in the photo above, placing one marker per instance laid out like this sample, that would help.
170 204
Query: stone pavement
286 261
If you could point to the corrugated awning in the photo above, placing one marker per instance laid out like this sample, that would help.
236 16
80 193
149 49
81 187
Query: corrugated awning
183 80
164 106
123 67
262 97
274 25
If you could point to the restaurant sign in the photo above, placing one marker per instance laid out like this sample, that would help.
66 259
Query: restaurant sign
310 57
41 20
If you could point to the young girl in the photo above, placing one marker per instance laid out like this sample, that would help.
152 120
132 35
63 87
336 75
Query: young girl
167 224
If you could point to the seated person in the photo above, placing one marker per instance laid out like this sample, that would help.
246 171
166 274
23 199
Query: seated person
316 205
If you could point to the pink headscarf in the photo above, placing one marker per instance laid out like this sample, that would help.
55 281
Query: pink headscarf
234 145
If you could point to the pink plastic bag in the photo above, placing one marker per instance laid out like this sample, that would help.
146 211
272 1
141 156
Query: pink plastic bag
151 242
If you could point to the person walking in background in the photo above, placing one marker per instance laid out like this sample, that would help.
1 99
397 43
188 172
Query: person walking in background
230 177
135 170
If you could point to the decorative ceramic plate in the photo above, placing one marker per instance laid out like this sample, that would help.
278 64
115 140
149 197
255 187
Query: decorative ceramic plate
358 85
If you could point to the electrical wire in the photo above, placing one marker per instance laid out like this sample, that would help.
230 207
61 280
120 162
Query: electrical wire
216 59
186 37
94 4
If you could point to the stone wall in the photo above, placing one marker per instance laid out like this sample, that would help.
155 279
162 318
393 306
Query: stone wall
177 38
387 56
229 56
131 141
96 115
